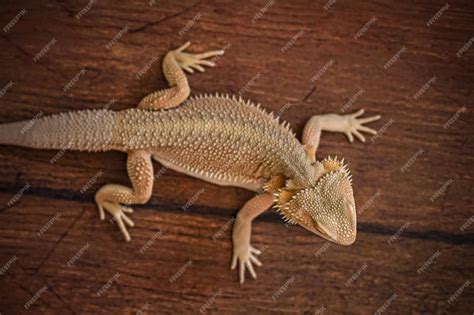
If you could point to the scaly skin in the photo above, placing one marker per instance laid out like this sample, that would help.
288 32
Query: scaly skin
218 138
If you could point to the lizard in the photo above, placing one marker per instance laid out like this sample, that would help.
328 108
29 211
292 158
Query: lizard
221 139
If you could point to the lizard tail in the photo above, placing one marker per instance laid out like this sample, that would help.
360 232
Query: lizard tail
86 130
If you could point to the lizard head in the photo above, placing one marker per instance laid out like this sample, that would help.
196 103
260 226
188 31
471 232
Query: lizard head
326 208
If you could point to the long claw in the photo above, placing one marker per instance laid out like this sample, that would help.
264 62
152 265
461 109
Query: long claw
358 113
101 212
188 69
359 136
183 47
251 270
369 119
254 250
367 130
122 227
255 260
118 215
128 220
208 54
234 263
197 67
127 209
349 137
241 272
207 63
190 62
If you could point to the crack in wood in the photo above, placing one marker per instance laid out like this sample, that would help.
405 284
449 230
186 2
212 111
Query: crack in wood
71 225
169 17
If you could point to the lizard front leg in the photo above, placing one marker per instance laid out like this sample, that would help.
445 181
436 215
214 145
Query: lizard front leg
350 125
111 197
243 252
174 63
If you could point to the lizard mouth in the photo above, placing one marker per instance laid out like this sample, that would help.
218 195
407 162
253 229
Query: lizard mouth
300 217
317 229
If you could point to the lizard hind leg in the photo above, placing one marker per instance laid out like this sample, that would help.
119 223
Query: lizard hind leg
113 198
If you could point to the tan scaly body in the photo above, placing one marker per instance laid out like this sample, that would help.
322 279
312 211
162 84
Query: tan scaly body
218 138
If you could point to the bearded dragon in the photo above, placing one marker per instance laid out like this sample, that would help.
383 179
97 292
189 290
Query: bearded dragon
217 138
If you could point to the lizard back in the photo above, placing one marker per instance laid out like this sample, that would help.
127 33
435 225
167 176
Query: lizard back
221 139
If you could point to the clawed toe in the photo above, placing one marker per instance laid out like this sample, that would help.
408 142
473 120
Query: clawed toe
118 213
356 127
195 62
246 257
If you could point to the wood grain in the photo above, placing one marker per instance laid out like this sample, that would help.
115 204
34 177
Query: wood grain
414 251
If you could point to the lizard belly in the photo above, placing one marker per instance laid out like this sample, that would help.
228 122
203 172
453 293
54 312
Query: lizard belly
254 185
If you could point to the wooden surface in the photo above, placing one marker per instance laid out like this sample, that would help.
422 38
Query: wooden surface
414 251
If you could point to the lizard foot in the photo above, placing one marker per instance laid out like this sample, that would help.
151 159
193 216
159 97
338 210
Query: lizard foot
118 213
354 125
245 255
191 62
